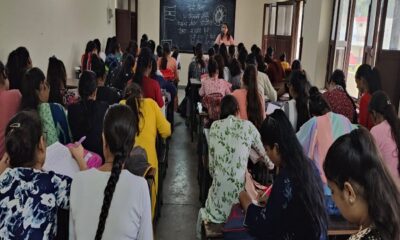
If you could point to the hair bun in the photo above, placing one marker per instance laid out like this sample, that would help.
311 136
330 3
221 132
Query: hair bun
314 92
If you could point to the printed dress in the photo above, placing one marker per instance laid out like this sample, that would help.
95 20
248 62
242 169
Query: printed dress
231 140
29 200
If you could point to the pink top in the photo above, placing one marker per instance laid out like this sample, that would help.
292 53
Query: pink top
9 104
214 85
387 146
224 40
240 95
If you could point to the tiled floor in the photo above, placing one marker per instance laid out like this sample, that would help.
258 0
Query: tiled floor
181 191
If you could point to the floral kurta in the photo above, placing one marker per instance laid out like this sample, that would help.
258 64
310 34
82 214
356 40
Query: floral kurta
231 140
29 200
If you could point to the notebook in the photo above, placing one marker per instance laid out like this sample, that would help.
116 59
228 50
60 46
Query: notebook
59 160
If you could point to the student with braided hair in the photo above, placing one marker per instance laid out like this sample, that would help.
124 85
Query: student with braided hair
118 199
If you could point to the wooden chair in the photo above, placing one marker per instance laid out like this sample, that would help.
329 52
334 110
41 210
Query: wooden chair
212 230
339 228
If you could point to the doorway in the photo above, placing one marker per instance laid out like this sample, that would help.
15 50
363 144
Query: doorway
126 22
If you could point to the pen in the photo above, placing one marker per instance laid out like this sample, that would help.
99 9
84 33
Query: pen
80 141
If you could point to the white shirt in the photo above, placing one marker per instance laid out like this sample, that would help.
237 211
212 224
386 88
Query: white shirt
291 112
129 216
265 87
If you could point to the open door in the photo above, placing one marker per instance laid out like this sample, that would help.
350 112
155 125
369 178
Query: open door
126 22
388 52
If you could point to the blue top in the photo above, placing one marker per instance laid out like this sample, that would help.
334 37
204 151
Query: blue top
164 84
284 217
29 200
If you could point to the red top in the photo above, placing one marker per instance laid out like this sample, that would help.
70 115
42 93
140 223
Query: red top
340 103
364 117
151 89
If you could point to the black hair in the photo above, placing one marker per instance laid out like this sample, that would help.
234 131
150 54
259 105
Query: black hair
221 65
98 67
152 45
57 79
17 64
143 62
153 68
108 47
276 129
119 133
22 137
298 80
380 103
211 52
199 55
318 106
242 56
212 67
30 87
143 41
354 158
235 67
371 77
164 58
87 85
126 72
98 44
133 96
270 51
253 48
296 65
240 46
338 77
223 51
216 48
132 48
3 75
282 58
229 106
253 97
228 35
159 51
175 52
232 51
114 45
251 59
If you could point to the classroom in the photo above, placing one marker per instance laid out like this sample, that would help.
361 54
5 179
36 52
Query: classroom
200 119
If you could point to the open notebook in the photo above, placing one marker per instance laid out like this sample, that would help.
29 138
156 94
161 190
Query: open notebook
59 159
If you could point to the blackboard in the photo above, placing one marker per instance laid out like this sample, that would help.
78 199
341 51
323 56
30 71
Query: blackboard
184 23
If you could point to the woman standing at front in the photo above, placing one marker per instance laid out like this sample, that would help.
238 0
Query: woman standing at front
225 36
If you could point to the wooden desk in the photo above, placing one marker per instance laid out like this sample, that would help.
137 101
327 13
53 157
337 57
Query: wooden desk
338 227
72 83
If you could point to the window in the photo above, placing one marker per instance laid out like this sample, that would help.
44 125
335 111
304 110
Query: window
285 16
273 20
391 39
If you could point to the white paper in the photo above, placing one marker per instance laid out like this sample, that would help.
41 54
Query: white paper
271 108
59 159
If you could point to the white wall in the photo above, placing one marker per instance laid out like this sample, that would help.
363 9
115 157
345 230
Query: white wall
53 27
248 26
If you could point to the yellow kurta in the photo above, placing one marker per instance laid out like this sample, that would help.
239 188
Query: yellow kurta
152 122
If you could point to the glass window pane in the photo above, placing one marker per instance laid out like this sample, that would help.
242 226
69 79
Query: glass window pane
343 20
335 13
266 21
289 20
371 20
391 39
285 16
272 23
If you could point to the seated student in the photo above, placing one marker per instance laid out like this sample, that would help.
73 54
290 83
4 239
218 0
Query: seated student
10 101
236 74
168 65
86 58
57 79
101 54
318 134
150 87
117 198
261 66
113 58
175 54
232 51
231 141
105 94
198 66
35 95
368 81
296 65
362 187
251 102
295 207
223 70
386 131
296 109
211 53
124 73
338 98
264 84
151 123
284 63
223 51
242 56
166 85
274 70
18 63
214 84
86 117
30 197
